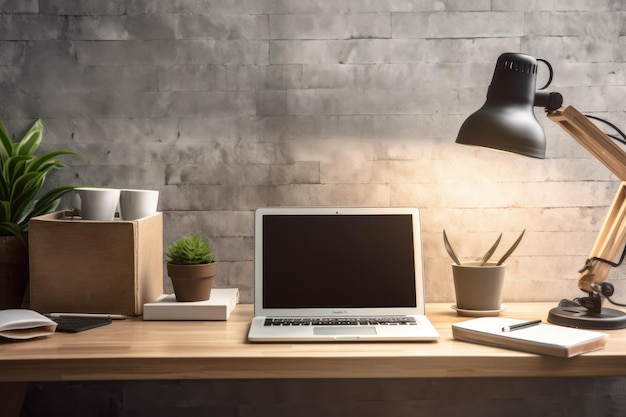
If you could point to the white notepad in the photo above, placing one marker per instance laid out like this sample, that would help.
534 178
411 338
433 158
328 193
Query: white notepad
545 339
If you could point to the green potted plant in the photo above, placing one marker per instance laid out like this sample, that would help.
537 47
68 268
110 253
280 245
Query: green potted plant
191 267
22 177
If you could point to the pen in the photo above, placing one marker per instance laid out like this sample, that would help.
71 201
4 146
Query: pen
87 315
520 325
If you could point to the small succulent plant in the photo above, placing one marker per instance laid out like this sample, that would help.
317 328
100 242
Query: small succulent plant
190 250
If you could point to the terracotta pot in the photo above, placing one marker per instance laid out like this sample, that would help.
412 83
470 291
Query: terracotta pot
13 272
192 282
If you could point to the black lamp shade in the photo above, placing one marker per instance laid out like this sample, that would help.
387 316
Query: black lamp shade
507 120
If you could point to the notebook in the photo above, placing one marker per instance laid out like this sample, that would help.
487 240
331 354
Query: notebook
546 339
338 274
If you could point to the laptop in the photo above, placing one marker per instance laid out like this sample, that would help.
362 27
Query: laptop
338 274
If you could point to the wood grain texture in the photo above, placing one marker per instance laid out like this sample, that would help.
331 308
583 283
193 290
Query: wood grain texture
95 267
134 349
602 147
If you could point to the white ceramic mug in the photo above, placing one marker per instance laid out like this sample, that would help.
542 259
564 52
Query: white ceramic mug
98 203
136 204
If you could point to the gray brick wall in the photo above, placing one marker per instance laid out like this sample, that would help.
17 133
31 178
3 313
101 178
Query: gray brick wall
228 106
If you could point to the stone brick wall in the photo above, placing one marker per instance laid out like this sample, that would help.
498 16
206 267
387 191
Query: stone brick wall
228 106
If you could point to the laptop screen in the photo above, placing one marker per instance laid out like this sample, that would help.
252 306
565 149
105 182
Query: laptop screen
338 261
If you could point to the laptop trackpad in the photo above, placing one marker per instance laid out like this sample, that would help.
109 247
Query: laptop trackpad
343 330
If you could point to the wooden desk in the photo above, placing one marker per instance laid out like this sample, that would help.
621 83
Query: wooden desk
134 349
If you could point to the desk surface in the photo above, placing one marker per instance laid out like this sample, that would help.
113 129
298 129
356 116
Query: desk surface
137 349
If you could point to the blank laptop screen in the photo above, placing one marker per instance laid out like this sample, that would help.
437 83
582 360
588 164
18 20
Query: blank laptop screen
333 261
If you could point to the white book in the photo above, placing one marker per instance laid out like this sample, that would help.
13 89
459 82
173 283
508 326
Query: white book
218 307
24 324
546 339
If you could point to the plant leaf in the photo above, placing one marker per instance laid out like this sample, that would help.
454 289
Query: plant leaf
491 250
24 191
511 249
48 202
449 249
8 229
48 162
5 211
31 140
13 168
6 144
22 176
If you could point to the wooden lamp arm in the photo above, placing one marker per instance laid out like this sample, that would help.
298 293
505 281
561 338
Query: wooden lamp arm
612 236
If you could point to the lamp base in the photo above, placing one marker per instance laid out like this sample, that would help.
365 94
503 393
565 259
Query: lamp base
581 317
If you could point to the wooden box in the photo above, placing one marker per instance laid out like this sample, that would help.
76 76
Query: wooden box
81 266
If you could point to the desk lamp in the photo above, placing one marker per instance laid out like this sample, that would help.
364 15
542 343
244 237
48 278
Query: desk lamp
507 122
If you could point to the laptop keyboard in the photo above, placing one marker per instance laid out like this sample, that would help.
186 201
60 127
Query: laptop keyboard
341 321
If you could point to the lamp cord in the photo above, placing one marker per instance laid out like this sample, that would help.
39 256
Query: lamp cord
615 303
589 262
621 139
577 302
